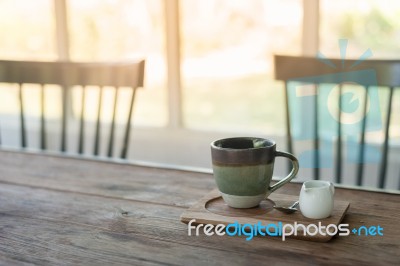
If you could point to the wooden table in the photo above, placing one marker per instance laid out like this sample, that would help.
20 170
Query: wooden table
56 210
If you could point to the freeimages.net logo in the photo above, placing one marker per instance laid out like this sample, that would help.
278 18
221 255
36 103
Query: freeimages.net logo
361 87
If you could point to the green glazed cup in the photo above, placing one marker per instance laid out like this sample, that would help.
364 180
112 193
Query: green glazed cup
243 169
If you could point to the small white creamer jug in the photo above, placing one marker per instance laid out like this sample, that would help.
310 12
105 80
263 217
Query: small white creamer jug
316 199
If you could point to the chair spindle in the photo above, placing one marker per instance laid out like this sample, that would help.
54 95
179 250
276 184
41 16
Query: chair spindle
338 173
97 136
289 142
82 122
382 171
43 145
111 140
316 134
125 146
22 116
361 151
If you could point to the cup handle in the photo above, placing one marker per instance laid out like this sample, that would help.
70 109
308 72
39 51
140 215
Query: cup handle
291 175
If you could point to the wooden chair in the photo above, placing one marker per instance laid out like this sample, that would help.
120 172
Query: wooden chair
66 75
298 69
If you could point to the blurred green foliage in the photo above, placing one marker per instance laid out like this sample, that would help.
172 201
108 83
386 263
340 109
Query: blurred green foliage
373 29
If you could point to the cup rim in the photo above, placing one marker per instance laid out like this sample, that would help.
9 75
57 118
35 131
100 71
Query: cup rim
323 183
271 143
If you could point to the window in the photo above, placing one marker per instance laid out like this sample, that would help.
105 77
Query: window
26 34
118 30
225 56
369 24
227 62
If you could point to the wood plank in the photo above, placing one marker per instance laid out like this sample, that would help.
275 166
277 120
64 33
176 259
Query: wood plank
367 207
97 177
11 262
162 186
54 227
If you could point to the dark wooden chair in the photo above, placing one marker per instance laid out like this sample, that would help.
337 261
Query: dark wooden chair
66 75
310 69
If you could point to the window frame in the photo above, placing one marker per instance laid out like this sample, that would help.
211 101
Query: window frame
310 43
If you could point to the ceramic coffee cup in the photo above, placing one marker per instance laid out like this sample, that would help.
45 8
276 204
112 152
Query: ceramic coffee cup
243 169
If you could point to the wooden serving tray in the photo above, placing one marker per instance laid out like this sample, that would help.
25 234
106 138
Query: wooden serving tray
212 209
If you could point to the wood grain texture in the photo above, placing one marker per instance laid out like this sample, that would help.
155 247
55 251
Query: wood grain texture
148 184
61 211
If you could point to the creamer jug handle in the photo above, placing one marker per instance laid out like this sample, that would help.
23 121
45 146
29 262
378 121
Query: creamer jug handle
332 188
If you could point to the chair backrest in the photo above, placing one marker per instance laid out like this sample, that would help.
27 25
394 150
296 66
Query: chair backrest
66 75
318 71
